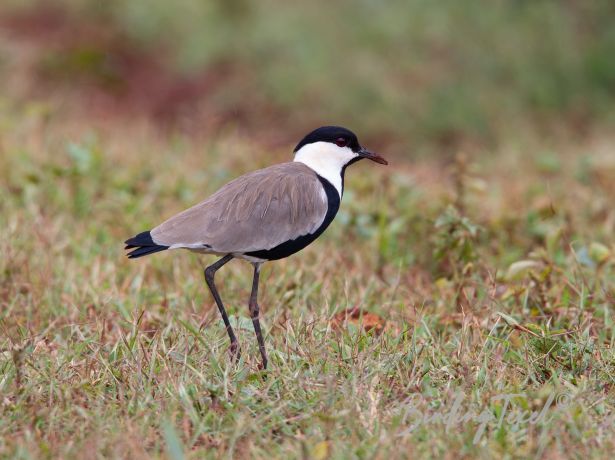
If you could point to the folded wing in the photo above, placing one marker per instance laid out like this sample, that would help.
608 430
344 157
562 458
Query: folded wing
254 212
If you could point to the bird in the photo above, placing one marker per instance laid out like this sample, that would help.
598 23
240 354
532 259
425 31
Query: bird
264 215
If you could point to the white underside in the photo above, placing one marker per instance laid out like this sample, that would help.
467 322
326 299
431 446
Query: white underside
327 160
254 260
198 248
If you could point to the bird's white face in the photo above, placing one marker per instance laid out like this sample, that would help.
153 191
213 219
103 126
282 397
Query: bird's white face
327 160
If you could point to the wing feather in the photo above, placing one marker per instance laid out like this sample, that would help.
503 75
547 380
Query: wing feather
257 211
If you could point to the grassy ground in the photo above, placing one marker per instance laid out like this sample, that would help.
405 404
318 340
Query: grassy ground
483 272
492 275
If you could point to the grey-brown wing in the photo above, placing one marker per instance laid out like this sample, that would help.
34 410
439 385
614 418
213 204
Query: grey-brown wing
257 211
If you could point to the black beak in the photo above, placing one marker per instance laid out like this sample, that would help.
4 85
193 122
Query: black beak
364 153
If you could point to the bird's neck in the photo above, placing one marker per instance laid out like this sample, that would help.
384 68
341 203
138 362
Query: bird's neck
327 160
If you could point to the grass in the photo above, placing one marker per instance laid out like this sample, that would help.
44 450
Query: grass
494 275
483 272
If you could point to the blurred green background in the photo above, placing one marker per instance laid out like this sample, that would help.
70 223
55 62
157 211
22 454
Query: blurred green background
430 76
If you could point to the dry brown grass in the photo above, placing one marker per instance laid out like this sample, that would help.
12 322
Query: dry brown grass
102 356
490 274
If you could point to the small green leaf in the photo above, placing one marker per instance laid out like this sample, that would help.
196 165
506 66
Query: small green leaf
599 253
175 450
520 268
509 319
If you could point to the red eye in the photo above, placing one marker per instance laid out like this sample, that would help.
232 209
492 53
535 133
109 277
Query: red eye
341 142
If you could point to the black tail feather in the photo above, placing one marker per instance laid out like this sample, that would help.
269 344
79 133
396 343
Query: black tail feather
144 245
145 251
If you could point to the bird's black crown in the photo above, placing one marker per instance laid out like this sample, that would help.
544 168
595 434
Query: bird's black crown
335 134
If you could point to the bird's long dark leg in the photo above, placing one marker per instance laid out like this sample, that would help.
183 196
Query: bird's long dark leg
254 312
210 272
